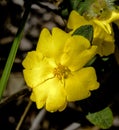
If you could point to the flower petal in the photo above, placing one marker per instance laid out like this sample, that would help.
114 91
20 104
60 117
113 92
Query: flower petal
56 97
103 24
36 76
44 42
59 38
39 95
32 60
104 41
77 52
52 45
106 24
76 20
52 94
114 16
79 84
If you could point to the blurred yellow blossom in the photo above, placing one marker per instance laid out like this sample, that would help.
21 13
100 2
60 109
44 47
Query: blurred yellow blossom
101 38
55 70
106 23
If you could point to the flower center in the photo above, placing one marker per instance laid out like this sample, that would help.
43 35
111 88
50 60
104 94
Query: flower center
61 72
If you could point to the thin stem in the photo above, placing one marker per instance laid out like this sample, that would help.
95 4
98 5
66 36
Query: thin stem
24 115
13 51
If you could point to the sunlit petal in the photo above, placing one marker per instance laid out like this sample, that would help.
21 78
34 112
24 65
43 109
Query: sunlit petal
32 60
49 44
59 38
44 42
50 94
56 97
77 52
37 75
40 94
79 84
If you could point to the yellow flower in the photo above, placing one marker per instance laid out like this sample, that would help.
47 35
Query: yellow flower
101 38
106 23
55 70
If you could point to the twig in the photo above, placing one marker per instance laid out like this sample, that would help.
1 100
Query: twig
24 114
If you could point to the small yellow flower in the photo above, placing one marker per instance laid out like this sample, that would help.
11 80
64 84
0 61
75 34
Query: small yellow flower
101 38
106 23
55 70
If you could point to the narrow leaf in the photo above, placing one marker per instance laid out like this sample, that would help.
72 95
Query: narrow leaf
13 51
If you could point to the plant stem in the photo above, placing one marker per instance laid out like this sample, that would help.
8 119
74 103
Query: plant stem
13 51
23 115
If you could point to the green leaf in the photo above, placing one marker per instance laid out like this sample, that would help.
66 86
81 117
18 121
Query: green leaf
75 3
103 119
86 31
80 5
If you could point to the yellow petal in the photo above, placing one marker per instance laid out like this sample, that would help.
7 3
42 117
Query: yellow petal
56 97
36 76
32 60
103 24
52 45
114 16
39 95
77 52
76 20
50 94
44 42
79 84
59 38
106 24
104 41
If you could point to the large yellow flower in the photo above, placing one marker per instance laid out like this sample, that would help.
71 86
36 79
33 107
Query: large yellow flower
55 70
102 38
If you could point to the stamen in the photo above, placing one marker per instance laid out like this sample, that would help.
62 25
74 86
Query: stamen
61 72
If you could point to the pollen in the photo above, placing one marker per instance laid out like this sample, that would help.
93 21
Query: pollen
61 72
